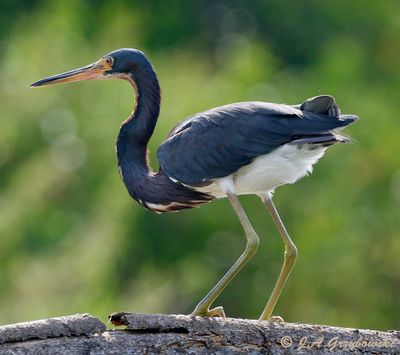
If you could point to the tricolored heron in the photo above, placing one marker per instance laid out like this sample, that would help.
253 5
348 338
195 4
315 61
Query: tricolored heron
237 149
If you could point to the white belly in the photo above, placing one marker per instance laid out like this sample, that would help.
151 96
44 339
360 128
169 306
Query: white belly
284 165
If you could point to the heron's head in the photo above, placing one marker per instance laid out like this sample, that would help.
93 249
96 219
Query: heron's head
116 64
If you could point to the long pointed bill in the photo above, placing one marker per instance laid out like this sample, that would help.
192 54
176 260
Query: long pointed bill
91 71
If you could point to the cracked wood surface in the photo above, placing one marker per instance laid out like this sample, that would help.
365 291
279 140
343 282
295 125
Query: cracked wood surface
79 324
179 334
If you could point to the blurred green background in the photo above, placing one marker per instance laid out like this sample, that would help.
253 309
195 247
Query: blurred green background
71 240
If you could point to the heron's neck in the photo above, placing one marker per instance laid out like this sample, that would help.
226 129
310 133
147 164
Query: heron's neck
153 190
139 127
135 132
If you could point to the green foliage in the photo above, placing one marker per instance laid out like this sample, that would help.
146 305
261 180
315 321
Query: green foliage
71 240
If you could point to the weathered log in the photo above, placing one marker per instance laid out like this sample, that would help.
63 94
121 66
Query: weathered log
177 334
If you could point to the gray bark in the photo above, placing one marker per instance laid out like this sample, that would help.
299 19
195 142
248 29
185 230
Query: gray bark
178 334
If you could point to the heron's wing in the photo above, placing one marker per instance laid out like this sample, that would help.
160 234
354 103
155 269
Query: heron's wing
216 143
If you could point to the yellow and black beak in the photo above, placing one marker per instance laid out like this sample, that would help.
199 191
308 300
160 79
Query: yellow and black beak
96 70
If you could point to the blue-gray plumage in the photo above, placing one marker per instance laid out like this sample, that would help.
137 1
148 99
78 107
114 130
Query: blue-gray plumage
241 148
218 142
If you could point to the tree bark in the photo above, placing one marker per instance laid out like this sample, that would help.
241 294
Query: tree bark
178 334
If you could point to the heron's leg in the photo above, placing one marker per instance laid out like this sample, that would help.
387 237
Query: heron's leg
203 308
288 262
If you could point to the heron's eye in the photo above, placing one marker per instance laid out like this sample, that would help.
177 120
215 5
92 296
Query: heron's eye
109 61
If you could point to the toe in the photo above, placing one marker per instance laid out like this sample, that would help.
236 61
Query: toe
217 312
214 312
277 319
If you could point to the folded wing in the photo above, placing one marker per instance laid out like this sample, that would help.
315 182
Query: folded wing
216 143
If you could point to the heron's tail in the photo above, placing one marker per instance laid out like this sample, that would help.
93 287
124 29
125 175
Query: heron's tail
324 105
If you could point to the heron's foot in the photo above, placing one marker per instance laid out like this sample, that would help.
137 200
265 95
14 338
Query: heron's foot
276 319
214 312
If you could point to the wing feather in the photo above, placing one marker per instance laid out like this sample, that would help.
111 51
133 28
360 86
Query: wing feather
216 143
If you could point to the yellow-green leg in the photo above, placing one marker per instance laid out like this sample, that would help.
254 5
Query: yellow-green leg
203 308
288 262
